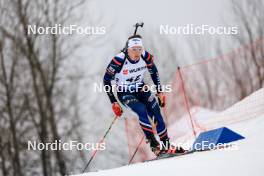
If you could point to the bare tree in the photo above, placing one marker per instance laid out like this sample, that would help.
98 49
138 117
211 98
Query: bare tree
232 75
34 100
250 18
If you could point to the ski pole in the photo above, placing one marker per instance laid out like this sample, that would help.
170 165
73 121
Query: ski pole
127 135
131 159
94 153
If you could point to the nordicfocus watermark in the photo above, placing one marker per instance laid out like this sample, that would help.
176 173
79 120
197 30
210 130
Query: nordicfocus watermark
59 29
59 145
204 145
137 87
191 29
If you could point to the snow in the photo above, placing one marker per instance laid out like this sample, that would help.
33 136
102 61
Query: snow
246 157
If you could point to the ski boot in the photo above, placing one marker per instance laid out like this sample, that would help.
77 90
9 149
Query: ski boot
154 145
166 147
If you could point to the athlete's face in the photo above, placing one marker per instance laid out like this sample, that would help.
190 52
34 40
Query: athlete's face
135 52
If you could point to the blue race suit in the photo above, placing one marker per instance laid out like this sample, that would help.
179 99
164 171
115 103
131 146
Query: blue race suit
128 75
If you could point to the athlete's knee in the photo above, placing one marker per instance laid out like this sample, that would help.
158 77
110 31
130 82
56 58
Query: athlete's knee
141 110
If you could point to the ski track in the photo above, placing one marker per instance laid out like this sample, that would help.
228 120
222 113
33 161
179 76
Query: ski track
247 159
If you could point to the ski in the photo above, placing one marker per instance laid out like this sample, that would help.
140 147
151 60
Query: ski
167 155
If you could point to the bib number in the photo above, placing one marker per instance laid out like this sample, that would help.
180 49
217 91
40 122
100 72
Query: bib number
133 79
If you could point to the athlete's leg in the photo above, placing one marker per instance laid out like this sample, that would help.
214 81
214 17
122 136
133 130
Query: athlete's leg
153 108
139 108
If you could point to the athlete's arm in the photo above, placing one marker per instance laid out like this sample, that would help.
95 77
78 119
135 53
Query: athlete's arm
152 70
155 77
113 68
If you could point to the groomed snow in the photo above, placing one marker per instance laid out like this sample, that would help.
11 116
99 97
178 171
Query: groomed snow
245 158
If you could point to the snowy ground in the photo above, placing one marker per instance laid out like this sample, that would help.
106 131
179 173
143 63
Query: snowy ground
245 158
